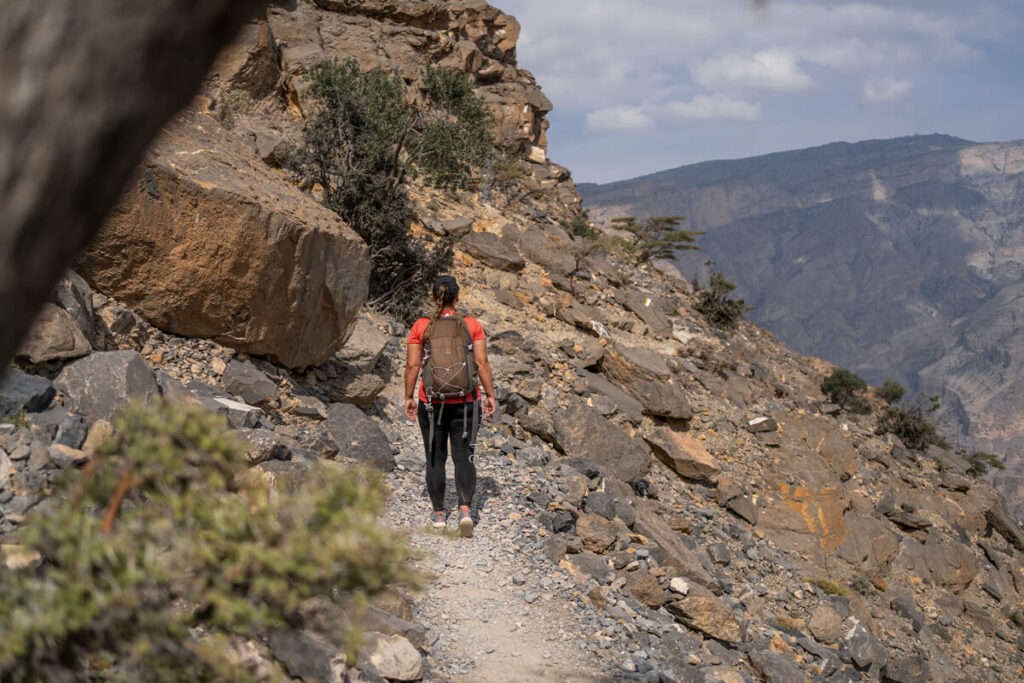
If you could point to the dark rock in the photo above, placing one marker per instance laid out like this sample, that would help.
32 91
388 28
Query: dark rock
647 309
955 482
864 650
600 503
1003 522
624 402
981 617
578 430
20 391
248 383
719 553
744 507
554 549
72 431
170 388
908 520
303 654
760 425
904 606
589 564
493 251
100 385
906 670
774 668
359 437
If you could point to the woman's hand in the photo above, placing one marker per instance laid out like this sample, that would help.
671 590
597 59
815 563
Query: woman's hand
489 406
410 408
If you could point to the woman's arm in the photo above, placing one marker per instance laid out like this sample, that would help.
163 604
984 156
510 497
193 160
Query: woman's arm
412 371
483 369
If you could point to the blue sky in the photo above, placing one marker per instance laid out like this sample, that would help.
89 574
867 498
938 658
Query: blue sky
644 85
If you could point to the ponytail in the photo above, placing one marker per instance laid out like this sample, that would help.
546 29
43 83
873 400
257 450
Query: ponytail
444 298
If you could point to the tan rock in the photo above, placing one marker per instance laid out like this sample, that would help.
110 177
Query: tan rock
100 431
681 452
825 624
210 243
645 588
596 533
708 615
53 336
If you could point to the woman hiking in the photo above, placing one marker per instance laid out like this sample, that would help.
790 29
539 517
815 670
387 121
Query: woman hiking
453 353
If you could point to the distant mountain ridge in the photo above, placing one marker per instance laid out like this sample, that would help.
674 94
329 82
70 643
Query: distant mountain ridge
896 258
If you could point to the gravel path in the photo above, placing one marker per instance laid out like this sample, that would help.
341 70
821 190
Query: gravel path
496 609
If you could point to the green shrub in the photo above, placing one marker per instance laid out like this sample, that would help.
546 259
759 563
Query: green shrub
830 587
167 531
980 462
655 238
846 389
891 391
912 426
364 141
232 105
715 304
579 226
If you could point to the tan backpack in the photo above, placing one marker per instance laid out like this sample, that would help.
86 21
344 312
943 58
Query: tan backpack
449 368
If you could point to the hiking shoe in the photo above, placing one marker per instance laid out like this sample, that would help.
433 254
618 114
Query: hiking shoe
437 519
465 522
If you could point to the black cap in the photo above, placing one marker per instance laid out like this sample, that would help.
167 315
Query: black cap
448 281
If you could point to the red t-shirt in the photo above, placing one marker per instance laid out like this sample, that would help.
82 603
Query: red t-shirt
476 333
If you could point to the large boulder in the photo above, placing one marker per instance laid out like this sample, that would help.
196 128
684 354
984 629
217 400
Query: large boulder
209 242
493 251
645 375
358 437
53 336
579 431
683 453
100 385
20 391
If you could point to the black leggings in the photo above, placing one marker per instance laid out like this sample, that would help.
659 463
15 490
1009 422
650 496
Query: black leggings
449 424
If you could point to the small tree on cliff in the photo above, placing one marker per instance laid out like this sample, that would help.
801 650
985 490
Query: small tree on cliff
362 144
655 238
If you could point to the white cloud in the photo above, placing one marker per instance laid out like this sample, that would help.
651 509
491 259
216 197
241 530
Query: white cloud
767 69
617 119
717 106
885 89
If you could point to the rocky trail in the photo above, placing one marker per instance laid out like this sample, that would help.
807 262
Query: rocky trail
495 608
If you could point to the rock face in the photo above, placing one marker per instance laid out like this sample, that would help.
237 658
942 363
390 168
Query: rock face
210 243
